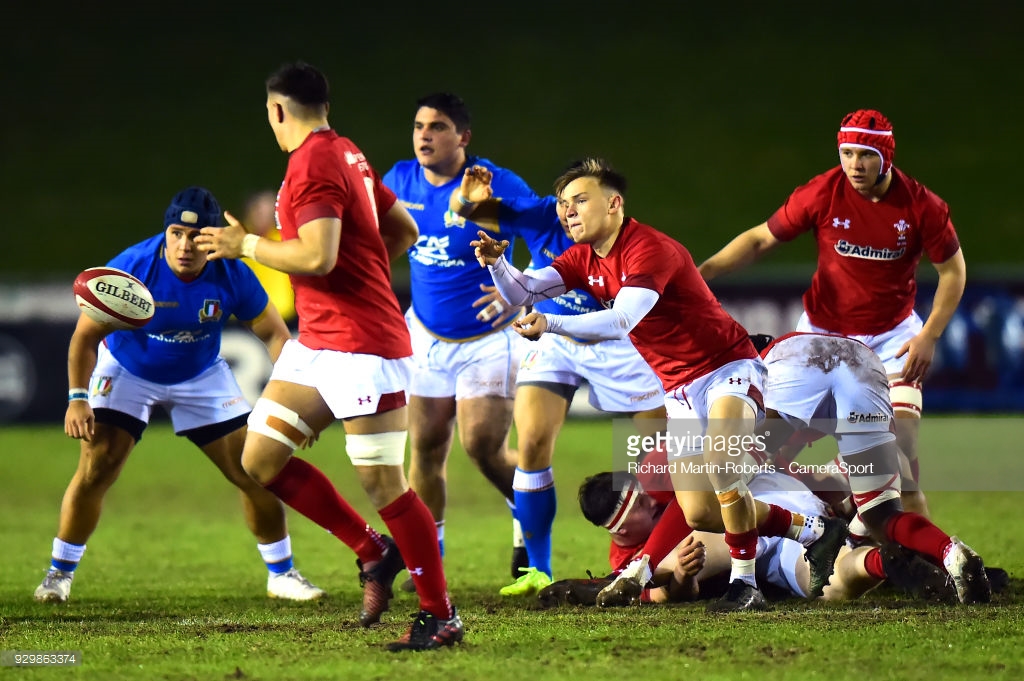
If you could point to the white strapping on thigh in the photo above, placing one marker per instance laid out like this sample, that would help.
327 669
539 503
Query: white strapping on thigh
279 423
377 449
905 396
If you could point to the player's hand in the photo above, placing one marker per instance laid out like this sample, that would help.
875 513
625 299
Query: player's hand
222 242
79 420
487 250
497 308
920 350
690 557
310 441
531 326
476 184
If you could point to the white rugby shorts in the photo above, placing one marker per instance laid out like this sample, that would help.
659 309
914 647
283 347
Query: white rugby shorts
211 397
350 383
852 394
743 378
482 367
885 344
620 380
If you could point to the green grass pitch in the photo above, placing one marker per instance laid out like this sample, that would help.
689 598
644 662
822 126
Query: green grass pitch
172 586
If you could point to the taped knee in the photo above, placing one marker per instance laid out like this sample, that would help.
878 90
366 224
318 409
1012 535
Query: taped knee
279 423
732 494
906 396
376 449
870 491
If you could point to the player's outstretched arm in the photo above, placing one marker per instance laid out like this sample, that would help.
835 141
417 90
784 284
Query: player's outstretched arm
740 252
516 287
314 251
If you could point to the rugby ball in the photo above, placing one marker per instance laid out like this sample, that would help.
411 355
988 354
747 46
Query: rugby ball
113 298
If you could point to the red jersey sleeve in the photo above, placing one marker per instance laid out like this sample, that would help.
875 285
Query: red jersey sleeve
319 190
939 238
796 215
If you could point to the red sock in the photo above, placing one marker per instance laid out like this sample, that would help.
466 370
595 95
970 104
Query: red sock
873 564
670 530
777 523
305 488
742 546
915 470
917 533
415 533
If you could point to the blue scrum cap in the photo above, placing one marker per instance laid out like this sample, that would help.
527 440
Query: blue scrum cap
193 207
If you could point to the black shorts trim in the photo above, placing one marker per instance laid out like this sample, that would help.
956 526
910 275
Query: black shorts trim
563 390
204 435
129 424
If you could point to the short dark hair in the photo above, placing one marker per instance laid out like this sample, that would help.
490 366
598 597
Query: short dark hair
451 105
301 83
595 167
598 495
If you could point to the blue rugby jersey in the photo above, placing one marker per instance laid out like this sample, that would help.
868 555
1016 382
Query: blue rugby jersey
183 338
445 275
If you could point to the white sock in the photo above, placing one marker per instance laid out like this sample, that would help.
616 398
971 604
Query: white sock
68 553
276 551
744 571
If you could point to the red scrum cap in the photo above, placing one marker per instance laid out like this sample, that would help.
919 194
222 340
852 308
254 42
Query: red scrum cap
869 129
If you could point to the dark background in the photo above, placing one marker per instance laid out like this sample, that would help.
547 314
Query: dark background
714 112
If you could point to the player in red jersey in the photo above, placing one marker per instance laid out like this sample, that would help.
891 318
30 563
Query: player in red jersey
339 228
872 222
708 366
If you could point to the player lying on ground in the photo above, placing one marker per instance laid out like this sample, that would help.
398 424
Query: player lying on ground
696 567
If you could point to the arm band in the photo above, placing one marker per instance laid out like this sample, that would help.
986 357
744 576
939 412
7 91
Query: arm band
78 394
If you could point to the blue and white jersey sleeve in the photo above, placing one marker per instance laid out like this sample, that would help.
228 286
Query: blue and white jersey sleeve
183 338
445 276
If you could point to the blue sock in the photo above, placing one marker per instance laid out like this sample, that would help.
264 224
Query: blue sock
536 505
277 555
281 567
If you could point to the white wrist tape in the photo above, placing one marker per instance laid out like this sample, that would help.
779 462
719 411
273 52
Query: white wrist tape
249 242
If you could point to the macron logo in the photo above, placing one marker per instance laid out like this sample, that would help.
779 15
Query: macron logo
595 281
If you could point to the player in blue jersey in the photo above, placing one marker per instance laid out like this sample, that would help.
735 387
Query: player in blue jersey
172 362
552 369
466 358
